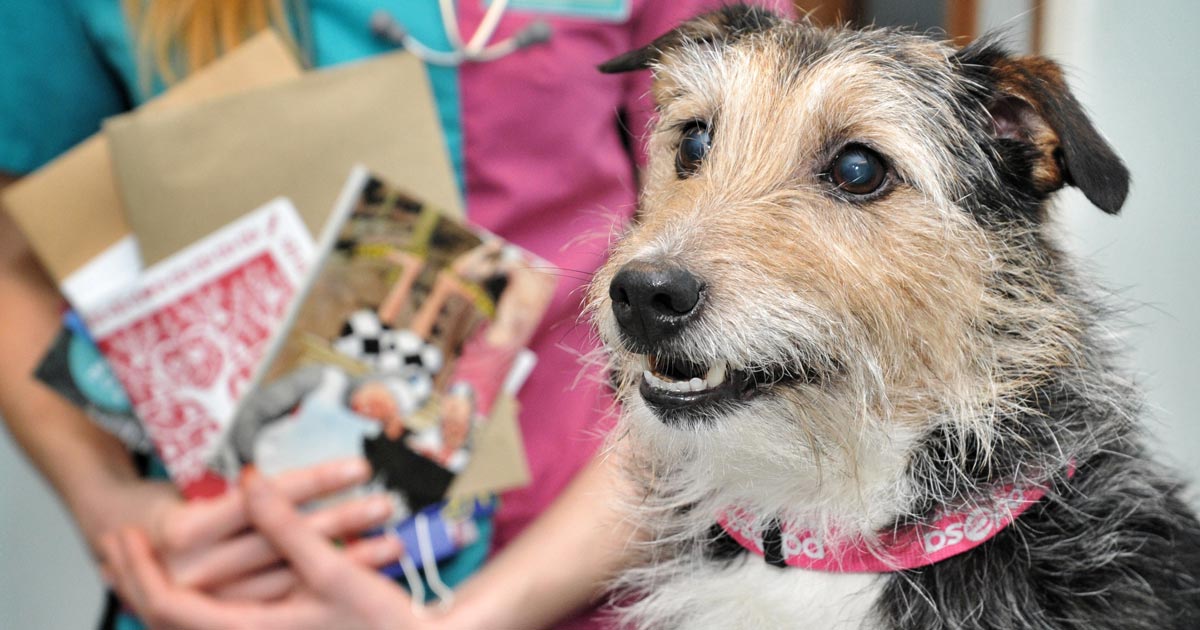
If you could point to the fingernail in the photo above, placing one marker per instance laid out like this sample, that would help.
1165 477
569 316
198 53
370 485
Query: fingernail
250 475
355 469
251 481
379 508
393 549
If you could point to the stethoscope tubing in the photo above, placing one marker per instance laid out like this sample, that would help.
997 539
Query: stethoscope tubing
476 49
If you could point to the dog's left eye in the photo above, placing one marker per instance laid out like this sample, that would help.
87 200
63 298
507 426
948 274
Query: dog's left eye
696 141
857 170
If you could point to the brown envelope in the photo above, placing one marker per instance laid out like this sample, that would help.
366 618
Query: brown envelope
69 209
184 173
70 212
498 459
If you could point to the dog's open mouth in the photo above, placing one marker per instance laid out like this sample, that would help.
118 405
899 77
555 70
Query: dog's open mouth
674 387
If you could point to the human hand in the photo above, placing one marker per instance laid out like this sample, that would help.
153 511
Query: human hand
373 400
335 590
205 544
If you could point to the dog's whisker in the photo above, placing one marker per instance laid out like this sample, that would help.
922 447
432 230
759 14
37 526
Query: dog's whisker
842 310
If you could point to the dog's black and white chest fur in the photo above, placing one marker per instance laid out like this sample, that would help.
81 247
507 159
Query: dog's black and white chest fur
843 307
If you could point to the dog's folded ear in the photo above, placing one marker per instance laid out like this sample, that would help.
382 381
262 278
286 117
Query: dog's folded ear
1029 102
717 27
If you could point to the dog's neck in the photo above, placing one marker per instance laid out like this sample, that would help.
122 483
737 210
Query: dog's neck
860 487
890 475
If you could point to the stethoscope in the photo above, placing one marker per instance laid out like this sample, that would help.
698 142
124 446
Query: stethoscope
476 49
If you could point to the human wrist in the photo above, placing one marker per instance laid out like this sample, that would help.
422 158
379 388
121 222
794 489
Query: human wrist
92 505
467 614
497 597
109 501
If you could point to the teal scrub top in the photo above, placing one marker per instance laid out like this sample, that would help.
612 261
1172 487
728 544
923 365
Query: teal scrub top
69 64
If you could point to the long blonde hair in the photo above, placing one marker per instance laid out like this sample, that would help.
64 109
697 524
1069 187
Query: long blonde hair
175 37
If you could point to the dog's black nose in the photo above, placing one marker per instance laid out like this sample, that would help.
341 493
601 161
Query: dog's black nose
653 302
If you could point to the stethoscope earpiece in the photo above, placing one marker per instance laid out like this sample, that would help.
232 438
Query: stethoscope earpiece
538 32
387 28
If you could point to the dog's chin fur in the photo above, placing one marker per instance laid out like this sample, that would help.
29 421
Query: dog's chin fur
762 455
926 346
757 456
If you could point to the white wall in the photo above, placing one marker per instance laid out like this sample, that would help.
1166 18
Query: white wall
1135 67
46 577
1013 17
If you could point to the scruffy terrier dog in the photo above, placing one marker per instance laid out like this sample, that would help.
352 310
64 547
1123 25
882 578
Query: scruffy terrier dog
862 384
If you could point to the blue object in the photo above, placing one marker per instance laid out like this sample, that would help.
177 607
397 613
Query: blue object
456 568
439 518
94 376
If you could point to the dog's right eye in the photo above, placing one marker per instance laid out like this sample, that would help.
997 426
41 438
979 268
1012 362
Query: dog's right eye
693 146
857 170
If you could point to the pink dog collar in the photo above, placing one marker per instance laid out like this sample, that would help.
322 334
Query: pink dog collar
905 548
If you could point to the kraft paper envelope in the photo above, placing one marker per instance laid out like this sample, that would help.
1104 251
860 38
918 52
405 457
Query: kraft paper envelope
69 210
498 462
184 173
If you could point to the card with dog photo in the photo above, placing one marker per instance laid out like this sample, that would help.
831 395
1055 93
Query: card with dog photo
397 351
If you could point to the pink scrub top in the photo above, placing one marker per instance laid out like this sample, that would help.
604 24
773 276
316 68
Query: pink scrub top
547 168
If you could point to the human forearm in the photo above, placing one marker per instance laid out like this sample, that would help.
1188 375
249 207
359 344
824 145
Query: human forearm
561 563
81 461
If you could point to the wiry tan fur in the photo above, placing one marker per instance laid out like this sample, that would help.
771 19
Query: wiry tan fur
893 306
893 293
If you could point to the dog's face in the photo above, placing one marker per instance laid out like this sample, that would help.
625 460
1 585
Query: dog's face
829 231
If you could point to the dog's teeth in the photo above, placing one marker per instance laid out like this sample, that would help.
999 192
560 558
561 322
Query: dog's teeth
716 373
671 386
714 377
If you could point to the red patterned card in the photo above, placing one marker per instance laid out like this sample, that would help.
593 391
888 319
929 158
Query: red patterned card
187 337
